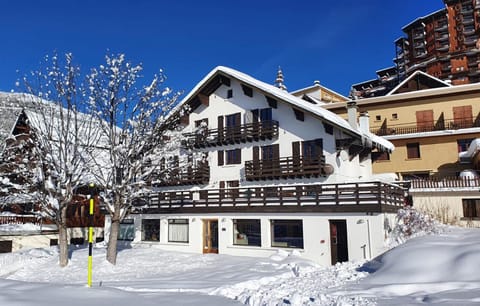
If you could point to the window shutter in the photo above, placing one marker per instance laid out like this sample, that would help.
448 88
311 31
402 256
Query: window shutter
220 128
238 119
238 156
255 153
276 151
220 158
222 189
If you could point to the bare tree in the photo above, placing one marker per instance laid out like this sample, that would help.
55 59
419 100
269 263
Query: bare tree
61 138
138 133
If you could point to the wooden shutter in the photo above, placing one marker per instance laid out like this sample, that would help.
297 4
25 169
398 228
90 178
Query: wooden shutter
276 151
318 147
220 128
256 155
222 189
462 116
220 158
238 156
296 154
425 120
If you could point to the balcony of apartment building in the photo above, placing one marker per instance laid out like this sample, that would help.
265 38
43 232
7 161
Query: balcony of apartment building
285 167
177 176
467 20
445 182
472 61
418 35
447 67
467 10
346 197
421 53
426 126
248 132
442 37
470 40
442 27
443 47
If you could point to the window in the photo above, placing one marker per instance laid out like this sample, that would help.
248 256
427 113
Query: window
394 116
177 230
248 91
378 118
299 115
271 102
463 144
151 229
471 208
287 233
231 189
233 156
312 149
413 150
229 93
246 232
220 158
265 114
127 230
233 120
380 156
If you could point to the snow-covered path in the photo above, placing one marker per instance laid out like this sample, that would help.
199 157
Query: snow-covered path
439 268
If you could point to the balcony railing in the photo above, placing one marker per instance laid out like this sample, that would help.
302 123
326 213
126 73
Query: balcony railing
235 134
183 176
439 125
285 167
20 219
451 183
347 197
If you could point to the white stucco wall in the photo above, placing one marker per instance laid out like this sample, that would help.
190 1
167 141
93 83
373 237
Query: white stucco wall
290 130
446 206
365 234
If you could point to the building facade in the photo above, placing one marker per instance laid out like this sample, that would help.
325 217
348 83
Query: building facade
443 44
277 173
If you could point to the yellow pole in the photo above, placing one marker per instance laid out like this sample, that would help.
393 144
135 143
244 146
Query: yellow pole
90 237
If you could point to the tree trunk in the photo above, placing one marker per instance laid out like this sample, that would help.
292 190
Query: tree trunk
62 237
113 238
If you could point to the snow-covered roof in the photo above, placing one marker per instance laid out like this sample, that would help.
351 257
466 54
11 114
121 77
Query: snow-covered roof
473 149
274 92
314 109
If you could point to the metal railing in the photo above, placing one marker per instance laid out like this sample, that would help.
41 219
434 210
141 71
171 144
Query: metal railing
439 125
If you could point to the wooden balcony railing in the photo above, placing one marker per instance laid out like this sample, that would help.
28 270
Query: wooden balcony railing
183 176
451 183
236 134
439 125
347 197
20 219
285 167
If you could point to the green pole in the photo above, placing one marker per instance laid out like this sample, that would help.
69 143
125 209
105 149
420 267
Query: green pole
90 236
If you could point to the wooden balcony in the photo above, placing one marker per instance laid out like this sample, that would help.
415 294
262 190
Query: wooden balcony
183 176
285 167
236 134
20 219
446 183
439 125
349 197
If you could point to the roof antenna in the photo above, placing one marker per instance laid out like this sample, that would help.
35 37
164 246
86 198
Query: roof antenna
279 80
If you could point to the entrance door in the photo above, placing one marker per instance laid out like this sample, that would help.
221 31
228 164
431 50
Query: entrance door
210 236
338 241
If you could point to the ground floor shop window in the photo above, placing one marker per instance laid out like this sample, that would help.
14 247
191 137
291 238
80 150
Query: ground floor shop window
151 229
246 232
127 230
287 233
471 208
178 230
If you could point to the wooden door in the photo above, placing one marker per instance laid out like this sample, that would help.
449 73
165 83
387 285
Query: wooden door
210 236
338 241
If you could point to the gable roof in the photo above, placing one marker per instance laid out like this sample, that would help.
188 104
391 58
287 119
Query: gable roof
418 77
220 75
213 80
318 87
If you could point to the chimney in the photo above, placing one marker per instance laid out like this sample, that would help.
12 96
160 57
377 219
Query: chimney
352 114
364 122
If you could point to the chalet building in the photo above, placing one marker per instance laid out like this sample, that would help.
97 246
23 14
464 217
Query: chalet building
278 173
431 125
443 44
21 222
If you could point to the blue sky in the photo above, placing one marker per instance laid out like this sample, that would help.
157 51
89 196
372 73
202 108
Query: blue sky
337 42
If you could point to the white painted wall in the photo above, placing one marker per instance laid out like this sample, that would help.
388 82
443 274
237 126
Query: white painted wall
365 234
290 130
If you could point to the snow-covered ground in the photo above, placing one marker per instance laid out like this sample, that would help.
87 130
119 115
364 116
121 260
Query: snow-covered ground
442 268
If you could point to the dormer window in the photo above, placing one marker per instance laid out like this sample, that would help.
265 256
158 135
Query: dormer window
248 91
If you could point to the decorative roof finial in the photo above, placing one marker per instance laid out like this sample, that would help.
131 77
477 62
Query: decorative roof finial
279 80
